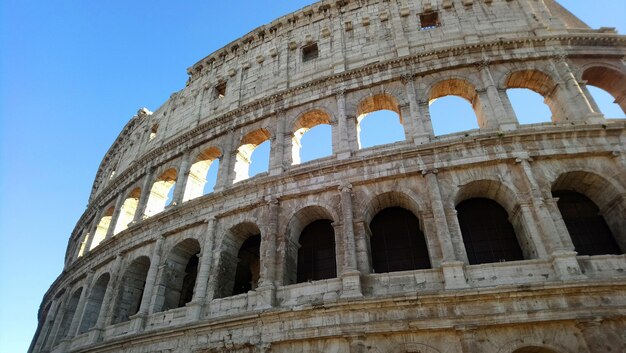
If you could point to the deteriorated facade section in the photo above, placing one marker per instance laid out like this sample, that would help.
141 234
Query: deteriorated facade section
507 238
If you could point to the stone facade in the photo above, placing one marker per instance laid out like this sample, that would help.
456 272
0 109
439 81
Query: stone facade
142 275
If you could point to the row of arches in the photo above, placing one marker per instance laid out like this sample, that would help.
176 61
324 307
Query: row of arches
204 174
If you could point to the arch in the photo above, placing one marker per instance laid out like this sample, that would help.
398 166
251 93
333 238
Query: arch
239 260
403 199
102 228
532 344
131 289
605 194
94 303
317 256
127 211
160 193
303 123
534 349
247 146
379 103
541 83
197 179
460 88
68 316
487 242
179 278
397 242
295 227
608 79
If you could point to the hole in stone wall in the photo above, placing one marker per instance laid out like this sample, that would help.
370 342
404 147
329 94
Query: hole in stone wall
429 20
94 303
202 174
253 155
452 114
127 212
153 131
161 193
379 121
316 256
310 52
68 316
181 268
606 103
102 228
312 137
529 106
220 90
248 265
131 290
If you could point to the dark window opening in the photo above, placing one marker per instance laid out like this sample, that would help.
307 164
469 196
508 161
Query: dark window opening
397 242
153 131
189 281
220 90
429 20
316 256
248 266
310 52
586 226
487 233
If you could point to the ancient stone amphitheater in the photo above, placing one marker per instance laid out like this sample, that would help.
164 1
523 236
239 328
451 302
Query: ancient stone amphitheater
506 238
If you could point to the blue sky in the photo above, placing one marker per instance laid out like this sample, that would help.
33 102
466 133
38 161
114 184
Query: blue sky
72 73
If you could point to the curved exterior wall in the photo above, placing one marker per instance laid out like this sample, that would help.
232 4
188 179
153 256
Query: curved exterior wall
372 55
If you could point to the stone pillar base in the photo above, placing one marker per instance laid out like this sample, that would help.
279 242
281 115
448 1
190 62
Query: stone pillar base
595 118
453 275
194 309
95 335
351 283
266 297
566 266
344 155
137 322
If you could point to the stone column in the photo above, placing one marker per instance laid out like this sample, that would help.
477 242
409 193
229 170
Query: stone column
346 145
599 338
578 107
504 121
589 97
115 216
58 318
485 114
181 179
350 277
80 307
225 172
106 310
280 154
454 276
424 116
267 281
419 133
202 280
467 337
146 187
361 238
138 320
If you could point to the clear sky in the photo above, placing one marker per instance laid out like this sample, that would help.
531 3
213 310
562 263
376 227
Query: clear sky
72 73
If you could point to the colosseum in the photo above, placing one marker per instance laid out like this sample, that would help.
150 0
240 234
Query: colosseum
508 238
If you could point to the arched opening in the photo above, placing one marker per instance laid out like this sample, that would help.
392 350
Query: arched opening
397 243
202 174
379 121
488 235
449 110
316 256
613 82
239 260
181 269
102 228
541 84
68 316
248 266
94 303
586 226
606 103
127 212
252 155
131 289
161 194
50 318
529 106
312 137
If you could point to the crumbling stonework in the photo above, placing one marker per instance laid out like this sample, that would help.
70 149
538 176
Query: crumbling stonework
236 270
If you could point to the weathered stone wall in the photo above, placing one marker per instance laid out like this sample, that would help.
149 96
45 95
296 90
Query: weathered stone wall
129 259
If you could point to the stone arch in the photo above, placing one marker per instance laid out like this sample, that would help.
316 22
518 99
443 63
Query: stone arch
247 145
234 239
541 82
102 228
179 276
298 221
460 87
607 194
377 102
532 344
196 180
128 209
93 305
131 289
162 186
68 315
504 197
413 347
302 124
386 211
609 79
